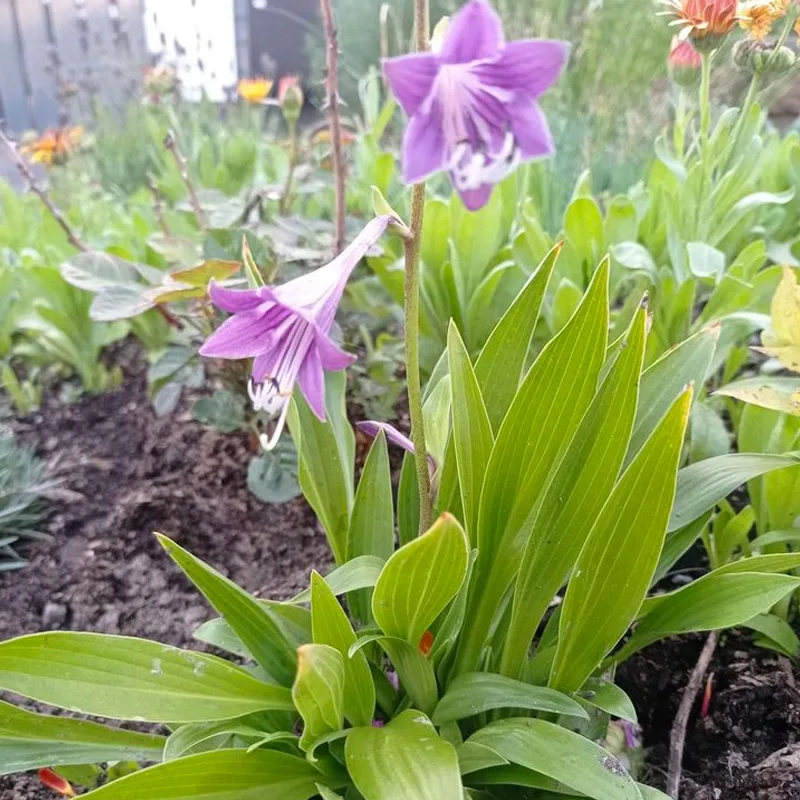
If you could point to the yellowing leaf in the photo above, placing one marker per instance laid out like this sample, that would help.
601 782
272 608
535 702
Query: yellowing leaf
784 341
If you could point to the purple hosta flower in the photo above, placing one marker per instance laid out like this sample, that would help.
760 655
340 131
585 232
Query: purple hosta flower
286 330
394 436
473 105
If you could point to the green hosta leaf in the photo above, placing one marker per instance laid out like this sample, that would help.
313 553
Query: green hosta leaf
502 360
621 554
218 633
777 631
677 543
328 794
705 261
635 257
702 485
220 775
713 602
477 692
246 616
404 760
372 521
667 378
327 454
472 431
223 410
514 775
541 422
473 757
122 678
96 271
776 562
360 573
272 476
649 793
318 691
408 501
608 697
791 536
414 669
119 302
332 627
31 741
578 491
204 736
561 755
420 579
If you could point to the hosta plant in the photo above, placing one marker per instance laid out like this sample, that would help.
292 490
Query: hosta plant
435 677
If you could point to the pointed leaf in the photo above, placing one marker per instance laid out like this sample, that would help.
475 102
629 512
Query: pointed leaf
246 616
359 573
122 678
621 554
318 691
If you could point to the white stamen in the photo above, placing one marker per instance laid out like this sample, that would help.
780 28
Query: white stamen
269 442
471 169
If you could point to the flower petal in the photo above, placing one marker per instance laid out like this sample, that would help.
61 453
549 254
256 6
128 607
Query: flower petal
475 32
424 151
311 380
242 336
476 199
528 66
234 301
411 78
530 129
373 428
332 356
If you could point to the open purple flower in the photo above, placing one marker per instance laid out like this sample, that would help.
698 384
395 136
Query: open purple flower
286 330
473 105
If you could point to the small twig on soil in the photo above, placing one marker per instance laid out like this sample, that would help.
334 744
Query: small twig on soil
332 84
158 206
677 737
33 185
171 143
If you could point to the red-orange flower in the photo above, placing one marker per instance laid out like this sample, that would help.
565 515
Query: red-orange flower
702 19
52 147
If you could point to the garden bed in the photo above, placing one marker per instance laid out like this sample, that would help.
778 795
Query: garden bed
126 473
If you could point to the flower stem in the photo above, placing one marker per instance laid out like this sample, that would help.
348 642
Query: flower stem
332 85
705 135
171 144
412 252
286 194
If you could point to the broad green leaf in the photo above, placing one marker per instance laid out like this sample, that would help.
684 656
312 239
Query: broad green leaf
608 697
713 602
404 760
705 261
414 670
372 521
477 692
473 757
327 454
31 741
585 229
702 485
515 775
360 573
677 543
770 538
95 271
616 565
122 678
420 579
318 691
778 631
502 360
218 633
649 793
219 775
777 562
246 616
202 274
408 501
204 736
328 794
543 417
635 257
565 301
579 489
472 431
667 378
777 394
332 627
567 757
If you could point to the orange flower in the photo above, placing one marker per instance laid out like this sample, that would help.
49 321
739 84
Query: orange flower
52 780
758 17
254 91
703 19
53 147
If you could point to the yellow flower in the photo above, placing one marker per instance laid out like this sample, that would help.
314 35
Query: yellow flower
757 17
53 147
254 91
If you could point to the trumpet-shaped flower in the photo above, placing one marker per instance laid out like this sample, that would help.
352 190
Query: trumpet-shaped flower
473 105
286 330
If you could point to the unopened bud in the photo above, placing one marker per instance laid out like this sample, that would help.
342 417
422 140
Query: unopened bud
685 64
290 98
763 58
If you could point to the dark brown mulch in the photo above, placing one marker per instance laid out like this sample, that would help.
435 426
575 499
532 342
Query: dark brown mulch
131 474
748 746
